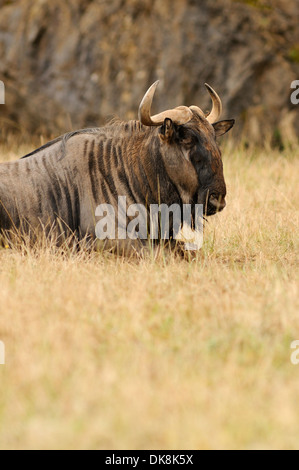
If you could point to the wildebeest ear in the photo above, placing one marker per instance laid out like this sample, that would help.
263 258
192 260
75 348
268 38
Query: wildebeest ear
222 127
167 130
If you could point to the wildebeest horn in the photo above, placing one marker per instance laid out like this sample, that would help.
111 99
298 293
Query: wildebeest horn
217 105
180 115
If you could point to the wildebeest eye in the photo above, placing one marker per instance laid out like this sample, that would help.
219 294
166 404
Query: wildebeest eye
185 138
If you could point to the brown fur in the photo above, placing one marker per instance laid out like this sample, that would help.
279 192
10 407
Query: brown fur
68 178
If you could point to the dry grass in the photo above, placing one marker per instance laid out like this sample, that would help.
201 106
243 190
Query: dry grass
108 353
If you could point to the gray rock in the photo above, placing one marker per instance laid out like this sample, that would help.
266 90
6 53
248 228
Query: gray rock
72 64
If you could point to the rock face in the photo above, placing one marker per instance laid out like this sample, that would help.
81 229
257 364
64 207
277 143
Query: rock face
72 64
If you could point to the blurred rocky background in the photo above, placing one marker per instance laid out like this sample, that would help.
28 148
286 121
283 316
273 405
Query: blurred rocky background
72 64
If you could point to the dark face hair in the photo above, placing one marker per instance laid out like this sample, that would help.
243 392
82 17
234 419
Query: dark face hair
193 161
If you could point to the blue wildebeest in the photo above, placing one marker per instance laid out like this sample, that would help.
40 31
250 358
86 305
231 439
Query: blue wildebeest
169 158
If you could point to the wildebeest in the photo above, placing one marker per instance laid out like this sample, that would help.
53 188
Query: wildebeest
170 158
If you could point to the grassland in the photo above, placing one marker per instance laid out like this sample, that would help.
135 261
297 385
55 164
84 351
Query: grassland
161 353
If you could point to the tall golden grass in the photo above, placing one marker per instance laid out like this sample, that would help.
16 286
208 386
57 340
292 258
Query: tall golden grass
161 353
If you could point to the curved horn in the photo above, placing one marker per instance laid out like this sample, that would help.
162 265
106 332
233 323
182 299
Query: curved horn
217 105
180 115
144 112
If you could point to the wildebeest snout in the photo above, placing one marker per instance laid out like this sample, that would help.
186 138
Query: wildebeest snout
218 202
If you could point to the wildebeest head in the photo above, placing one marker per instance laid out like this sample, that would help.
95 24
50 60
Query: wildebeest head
191 155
